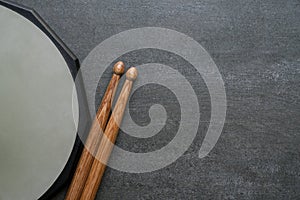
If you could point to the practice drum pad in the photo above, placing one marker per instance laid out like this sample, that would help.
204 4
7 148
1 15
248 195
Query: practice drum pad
39 117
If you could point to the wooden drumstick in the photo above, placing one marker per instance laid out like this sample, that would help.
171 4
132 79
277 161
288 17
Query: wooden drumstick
94 137
109 138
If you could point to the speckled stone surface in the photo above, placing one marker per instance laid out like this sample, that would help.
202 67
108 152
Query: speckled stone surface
256 46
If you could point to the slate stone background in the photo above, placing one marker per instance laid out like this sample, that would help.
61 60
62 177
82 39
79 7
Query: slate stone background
256 46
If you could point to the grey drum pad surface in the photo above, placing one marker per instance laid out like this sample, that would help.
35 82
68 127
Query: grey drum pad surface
37 128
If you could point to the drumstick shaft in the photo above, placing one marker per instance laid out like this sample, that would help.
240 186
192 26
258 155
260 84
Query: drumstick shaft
94 137
106 145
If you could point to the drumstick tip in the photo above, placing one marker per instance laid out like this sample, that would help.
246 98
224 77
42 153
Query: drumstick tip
131 73
119 68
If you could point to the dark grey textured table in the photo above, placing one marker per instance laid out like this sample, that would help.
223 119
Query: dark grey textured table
256 46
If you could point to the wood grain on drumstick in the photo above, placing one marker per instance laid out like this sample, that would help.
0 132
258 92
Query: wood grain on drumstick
94 137
108 140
